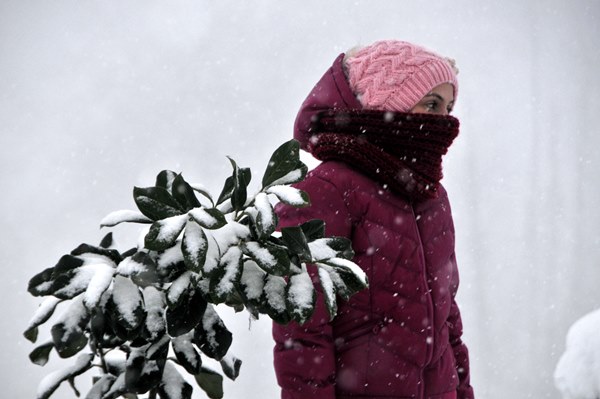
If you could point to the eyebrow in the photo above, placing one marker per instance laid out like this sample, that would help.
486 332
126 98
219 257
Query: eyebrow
436 96
451 103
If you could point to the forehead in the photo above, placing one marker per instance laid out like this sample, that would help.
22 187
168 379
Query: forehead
445 90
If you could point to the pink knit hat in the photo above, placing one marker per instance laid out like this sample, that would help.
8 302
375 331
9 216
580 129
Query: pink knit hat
392 75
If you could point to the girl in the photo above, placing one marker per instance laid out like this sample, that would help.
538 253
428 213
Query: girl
379 120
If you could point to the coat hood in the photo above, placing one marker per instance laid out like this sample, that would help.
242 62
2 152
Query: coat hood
332 91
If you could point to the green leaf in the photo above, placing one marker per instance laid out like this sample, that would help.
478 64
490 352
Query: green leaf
266 219
331 247
285 166
270 257
342 246
163 233
31 334
101 387
313 229
173 386
123 216
300 297
230 182
274 299
42 314
107 241
239 194
110 255
194 246
252 283
211 336
50 280
186 353
170 264
295 240
156 203
227 274
126 309
290 195
345 279
184 193
83 364
141 268
143 373
231 367
188 313
211 382
155 325
68 333
209 218
202 191
329 292
41 283
117 388
165 179
41 353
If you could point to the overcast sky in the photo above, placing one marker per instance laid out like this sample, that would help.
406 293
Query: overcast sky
96 97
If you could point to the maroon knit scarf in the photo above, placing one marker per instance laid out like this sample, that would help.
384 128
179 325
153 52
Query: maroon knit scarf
402 151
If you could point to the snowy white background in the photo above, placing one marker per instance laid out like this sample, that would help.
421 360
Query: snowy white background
96 97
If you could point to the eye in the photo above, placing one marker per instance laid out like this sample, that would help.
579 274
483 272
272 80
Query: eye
431 106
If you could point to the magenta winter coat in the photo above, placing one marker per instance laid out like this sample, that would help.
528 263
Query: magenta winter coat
401 337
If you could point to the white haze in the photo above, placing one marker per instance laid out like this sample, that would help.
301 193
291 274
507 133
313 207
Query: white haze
98 96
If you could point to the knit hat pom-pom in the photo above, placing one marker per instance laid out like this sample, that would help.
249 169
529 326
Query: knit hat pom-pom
392 75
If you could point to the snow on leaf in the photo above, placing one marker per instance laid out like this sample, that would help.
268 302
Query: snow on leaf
261 254
329 291
116 217
209 321
292 177
80 280
154 301
169 258
117 388
71 320
41 315
230 265
266 220
178 287
51 382
221 239
129 267
300 296
211 336
231 366
194 246
252 280
173 386
208 218
289 195
98 284
164 233
127 299
320 250
101 387
353 267
185 352
275 292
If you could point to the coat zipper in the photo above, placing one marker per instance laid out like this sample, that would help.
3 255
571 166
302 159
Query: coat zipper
429 306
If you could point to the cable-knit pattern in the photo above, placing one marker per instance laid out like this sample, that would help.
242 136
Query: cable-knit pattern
393 75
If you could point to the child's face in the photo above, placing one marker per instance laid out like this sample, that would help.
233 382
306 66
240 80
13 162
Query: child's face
439 101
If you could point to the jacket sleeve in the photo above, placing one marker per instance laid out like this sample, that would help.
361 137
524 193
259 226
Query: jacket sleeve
304 355
461 353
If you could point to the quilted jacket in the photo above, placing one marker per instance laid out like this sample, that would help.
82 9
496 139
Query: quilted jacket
401 337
